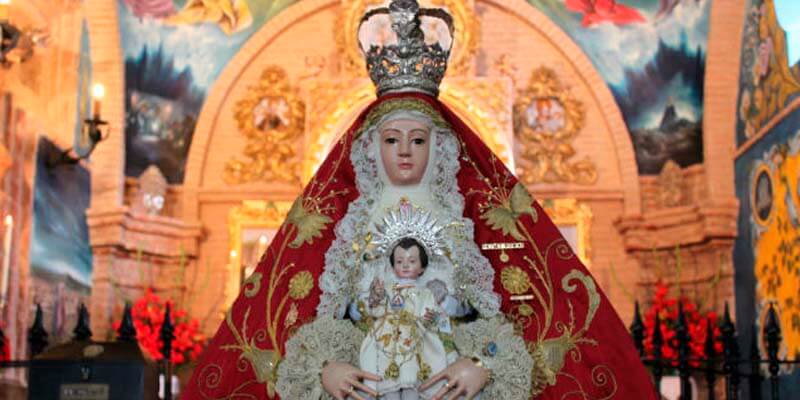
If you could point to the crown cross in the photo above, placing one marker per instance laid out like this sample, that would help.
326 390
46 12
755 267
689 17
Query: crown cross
411 59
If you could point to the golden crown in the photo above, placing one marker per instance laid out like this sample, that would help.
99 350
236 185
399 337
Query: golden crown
401 53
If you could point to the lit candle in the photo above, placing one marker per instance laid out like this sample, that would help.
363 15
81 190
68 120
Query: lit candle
4 9
6 258
98 92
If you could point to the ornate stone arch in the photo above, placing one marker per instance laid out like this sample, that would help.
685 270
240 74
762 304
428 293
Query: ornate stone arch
602 96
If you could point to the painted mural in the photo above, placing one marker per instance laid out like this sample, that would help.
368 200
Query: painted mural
60 255
174 51
767 261
652 55
766 254
770 77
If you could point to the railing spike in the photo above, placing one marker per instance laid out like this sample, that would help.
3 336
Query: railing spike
755 378
682 334
37 336
82 331
711 355
658 362
126 331
167 336
637 329
730 355
772 334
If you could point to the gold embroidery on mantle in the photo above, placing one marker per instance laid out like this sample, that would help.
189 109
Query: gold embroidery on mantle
538 317
252 214
568 213
504 213
515 280
309 220
547 119
271 117
264 360
300 285
252 285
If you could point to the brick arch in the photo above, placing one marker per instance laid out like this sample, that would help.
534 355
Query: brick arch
602 95
221 88
620 135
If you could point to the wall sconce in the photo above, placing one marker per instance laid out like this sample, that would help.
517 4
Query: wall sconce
9 34
91 131
16 45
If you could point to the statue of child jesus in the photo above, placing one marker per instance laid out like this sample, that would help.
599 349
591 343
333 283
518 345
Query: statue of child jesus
403 344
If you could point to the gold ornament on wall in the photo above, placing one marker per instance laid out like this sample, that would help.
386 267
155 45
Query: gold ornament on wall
546 121
465 41
271 117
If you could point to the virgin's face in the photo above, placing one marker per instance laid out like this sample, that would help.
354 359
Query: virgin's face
405 145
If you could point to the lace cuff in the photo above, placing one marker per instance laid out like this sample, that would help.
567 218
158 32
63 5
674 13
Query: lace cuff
502 351
324 339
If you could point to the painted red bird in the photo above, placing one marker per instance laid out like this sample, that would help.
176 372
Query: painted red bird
599 11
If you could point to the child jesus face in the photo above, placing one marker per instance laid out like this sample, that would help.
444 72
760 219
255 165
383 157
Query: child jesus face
407 263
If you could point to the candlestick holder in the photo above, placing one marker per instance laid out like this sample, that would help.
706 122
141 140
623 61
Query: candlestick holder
93 131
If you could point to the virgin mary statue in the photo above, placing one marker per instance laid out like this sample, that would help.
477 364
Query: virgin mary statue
514 314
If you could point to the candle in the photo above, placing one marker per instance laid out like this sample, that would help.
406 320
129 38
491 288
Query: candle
98 92
4 9
9 222
263 241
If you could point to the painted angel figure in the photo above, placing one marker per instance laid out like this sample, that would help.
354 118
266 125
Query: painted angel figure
532 324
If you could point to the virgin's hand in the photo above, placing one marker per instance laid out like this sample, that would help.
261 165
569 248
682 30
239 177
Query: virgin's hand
341 380
463 378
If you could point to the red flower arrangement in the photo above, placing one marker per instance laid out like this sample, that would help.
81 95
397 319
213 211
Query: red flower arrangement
665 308
148 316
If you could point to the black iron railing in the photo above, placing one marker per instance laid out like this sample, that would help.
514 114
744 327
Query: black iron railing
38 341
729 364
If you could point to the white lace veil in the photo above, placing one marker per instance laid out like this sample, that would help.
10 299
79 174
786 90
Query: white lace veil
467 273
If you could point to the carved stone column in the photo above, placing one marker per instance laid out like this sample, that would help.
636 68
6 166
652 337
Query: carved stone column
133 251
681 238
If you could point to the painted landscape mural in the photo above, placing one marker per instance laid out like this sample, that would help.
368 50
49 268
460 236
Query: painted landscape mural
174 51
60 255
652 55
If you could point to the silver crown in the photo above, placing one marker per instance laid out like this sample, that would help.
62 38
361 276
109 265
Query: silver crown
405 57
408 222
